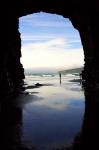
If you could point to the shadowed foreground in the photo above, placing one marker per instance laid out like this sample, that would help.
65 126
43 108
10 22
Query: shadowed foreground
11 124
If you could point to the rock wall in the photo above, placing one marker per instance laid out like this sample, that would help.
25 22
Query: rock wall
12 73
84 17
88 29
14 68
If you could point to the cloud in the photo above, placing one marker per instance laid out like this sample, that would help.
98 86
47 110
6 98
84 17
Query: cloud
50 42
45 37
68 41
36 37
46 44
51 54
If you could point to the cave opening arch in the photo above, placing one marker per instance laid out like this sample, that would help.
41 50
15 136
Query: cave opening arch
83 19
49 32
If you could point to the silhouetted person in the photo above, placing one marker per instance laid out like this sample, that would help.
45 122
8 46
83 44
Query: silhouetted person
60 78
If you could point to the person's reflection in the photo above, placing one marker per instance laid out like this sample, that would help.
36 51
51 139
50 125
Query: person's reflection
88 139
11 121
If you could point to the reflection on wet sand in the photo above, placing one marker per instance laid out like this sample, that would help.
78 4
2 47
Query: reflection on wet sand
11 125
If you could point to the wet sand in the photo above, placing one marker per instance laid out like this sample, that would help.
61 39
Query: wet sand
52 114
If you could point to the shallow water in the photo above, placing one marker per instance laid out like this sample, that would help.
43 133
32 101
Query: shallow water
53 115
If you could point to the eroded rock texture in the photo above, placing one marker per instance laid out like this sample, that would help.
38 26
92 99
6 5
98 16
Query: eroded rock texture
83 15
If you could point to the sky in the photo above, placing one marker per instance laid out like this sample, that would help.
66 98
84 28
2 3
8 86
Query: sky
50 43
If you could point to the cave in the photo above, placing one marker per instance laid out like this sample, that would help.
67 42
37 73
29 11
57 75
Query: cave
84 17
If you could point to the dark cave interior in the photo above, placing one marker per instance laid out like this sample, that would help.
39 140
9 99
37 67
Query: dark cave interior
84 16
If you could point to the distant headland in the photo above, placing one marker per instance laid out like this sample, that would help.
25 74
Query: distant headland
71 71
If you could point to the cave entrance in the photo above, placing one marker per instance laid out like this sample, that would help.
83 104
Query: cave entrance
49 43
